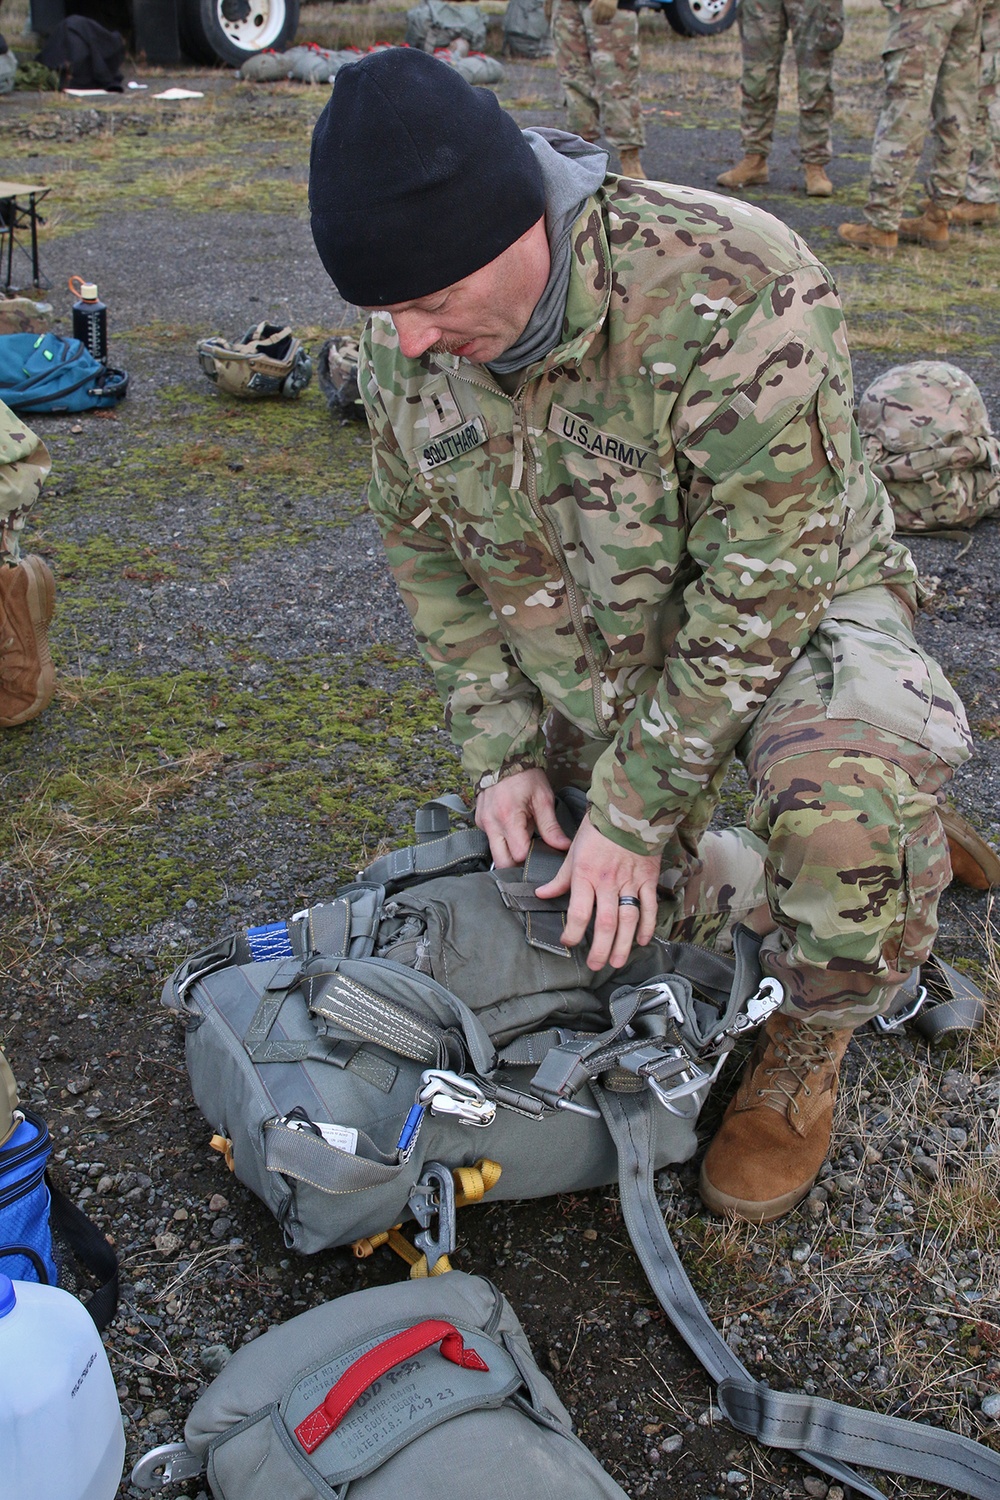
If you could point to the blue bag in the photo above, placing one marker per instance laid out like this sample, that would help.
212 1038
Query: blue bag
46 373
30 1204
25 1236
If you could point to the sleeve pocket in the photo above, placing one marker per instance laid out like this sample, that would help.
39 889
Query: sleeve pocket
756 411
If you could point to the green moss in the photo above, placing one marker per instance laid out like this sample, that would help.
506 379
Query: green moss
153 763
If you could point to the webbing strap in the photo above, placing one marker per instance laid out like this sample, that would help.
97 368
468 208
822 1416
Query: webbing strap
374 1018
465 849
877 1441
821 1432
433 819
942 534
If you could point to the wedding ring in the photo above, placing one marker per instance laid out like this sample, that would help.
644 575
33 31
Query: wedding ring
629 901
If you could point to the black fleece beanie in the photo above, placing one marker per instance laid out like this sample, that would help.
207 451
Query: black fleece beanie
416 179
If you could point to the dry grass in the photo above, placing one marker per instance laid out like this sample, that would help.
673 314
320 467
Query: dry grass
70 814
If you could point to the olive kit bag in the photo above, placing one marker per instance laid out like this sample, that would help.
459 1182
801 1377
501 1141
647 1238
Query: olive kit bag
401 1390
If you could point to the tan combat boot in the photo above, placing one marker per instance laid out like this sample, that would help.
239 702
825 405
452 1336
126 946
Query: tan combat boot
27 676
818 184
973 862
929 228
631 165
867 237
776 1132
965 213
750 172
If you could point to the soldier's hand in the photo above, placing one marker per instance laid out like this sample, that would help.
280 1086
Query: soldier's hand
603 11
512 810
597 874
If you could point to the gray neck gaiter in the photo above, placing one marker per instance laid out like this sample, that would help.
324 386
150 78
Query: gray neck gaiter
572 170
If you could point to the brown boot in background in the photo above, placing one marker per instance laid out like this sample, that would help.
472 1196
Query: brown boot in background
775 1134
965 213
27 676
631 165
973 862
867 237
750 172
929 228
818 184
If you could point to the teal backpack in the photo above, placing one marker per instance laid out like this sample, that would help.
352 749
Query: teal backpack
45 373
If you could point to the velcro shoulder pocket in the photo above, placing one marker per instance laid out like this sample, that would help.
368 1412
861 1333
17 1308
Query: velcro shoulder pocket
781 388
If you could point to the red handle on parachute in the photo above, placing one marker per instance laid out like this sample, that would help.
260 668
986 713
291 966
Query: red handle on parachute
317 1426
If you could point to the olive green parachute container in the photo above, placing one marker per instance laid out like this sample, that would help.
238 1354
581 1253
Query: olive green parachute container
927 436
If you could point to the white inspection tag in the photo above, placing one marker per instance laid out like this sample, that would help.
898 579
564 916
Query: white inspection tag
343 1137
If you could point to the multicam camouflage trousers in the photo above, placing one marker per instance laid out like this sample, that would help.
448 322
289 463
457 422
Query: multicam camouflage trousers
843 859
599 70
817 28
983 183
24 463
931 62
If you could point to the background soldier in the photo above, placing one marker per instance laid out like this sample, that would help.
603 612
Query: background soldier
27 588
817 28
931 61
981 204
597 54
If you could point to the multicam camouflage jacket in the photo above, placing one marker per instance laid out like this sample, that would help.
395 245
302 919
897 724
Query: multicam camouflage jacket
24 463
645 535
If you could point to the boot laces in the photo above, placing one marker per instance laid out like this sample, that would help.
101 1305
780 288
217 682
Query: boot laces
800 1053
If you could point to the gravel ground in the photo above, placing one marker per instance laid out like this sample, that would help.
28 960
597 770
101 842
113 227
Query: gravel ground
227 554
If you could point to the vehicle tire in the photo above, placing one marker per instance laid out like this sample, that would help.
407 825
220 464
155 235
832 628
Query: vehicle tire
230 31
701 17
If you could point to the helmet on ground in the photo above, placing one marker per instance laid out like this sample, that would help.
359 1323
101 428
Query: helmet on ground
926 434
267 361
337 372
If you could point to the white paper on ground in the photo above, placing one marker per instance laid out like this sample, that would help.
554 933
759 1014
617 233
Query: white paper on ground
179 94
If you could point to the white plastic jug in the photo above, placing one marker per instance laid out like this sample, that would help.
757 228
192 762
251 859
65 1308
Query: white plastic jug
61 1434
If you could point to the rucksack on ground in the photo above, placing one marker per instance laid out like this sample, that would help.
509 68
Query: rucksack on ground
46 373
926 434
435 23
526 29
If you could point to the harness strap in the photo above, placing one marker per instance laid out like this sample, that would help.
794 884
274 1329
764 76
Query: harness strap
937 999
453 854
821 1432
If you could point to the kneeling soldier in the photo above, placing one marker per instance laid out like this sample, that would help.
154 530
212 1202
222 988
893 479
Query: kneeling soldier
621 491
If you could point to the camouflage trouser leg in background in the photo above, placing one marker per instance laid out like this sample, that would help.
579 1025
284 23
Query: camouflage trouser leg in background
846 760
931 61
817 28
983 184
24 463
599 70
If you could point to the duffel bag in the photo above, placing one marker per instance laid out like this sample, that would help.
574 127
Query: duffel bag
401 1390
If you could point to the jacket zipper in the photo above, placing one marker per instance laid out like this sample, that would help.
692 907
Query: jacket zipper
523 457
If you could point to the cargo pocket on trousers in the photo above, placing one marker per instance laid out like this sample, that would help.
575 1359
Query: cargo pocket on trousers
888 682
926 871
